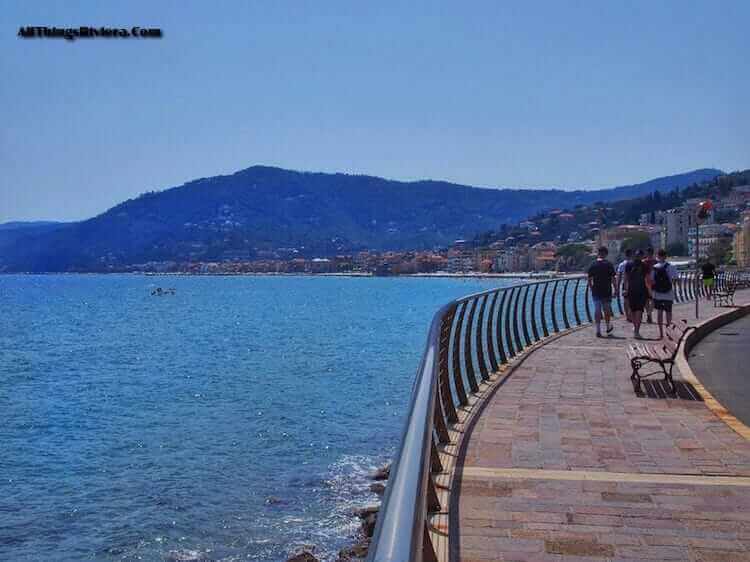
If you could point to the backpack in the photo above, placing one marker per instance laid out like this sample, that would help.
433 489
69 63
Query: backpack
662 282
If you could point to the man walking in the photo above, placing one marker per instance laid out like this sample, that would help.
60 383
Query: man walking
621 281
602 283
637 290
663 275
709 277
648 263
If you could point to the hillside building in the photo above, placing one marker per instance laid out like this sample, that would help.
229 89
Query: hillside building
512 260
708 234
461 257
612 238
542 256
741 242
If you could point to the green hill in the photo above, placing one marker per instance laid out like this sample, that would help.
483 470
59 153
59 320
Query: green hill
263 208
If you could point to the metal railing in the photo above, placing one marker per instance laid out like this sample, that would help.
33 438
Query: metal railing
470 338
689 284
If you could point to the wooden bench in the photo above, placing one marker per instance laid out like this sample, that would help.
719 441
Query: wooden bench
662 355
725 297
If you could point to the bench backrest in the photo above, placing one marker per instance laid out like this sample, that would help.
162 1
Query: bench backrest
675 333
677 329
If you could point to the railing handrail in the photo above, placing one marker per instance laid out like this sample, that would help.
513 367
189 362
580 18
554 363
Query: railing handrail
465 298
398 534
401 533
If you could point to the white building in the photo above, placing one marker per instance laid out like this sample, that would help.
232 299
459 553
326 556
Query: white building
709 234
459 263
676 223
512 259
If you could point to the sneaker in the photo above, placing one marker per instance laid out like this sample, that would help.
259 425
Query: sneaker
598 334
610 328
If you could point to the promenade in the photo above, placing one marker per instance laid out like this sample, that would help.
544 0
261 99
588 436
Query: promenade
565 463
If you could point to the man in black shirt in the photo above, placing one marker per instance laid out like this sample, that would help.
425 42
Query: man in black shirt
709 275
603 285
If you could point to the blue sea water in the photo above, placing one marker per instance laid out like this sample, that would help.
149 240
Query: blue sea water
234 420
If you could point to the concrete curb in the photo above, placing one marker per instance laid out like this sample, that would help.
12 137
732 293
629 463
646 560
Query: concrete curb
700 332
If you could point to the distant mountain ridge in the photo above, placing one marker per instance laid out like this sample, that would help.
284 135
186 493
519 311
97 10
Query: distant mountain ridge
263 208
15 225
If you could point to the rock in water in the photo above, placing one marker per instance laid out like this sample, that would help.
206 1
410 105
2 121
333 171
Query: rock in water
368 524
303 556
364 512
356 552
378 488
382 473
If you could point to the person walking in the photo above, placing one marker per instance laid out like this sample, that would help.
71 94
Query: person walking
637 290
621 282
649 262
708 271
663 275
602 284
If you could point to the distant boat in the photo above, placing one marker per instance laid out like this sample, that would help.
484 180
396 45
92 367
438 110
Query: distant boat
159 292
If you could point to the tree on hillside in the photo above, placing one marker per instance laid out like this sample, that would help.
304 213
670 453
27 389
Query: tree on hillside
636 241
485 238
574 256
725 185
719 251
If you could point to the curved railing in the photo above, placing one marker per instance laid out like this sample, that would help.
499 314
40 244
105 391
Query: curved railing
689 284
469 339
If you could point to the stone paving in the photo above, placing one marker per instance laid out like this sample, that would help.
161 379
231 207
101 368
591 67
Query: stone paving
566 463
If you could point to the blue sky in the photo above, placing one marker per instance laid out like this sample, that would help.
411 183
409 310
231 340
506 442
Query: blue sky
523 94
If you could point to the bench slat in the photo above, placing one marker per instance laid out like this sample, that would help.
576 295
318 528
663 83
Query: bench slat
648 352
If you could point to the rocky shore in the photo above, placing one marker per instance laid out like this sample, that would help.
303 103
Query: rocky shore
368 517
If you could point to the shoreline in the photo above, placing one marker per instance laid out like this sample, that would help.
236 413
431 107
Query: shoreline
438 275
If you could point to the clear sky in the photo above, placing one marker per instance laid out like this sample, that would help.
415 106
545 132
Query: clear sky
522 94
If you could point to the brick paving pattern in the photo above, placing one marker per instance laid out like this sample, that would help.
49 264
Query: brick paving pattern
571 407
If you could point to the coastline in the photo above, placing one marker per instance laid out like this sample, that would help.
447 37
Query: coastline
437 275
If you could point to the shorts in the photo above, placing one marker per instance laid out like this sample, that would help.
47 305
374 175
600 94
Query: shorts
637 301
602 303
665 305
708 282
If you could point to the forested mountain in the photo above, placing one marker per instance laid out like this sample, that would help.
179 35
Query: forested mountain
12 233
262 208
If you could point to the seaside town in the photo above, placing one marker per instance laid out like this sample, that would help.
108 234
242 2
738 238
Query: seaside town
375 281
554 241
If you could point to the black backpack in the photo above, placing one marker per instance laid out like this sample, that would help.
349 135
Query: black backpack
662 282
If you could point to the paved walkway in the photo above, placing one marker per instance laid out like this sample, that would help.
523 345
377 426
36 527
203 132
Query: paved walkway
726 347
566 463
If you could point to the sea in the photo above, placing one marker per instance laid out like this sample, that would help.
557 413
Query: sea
235 419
